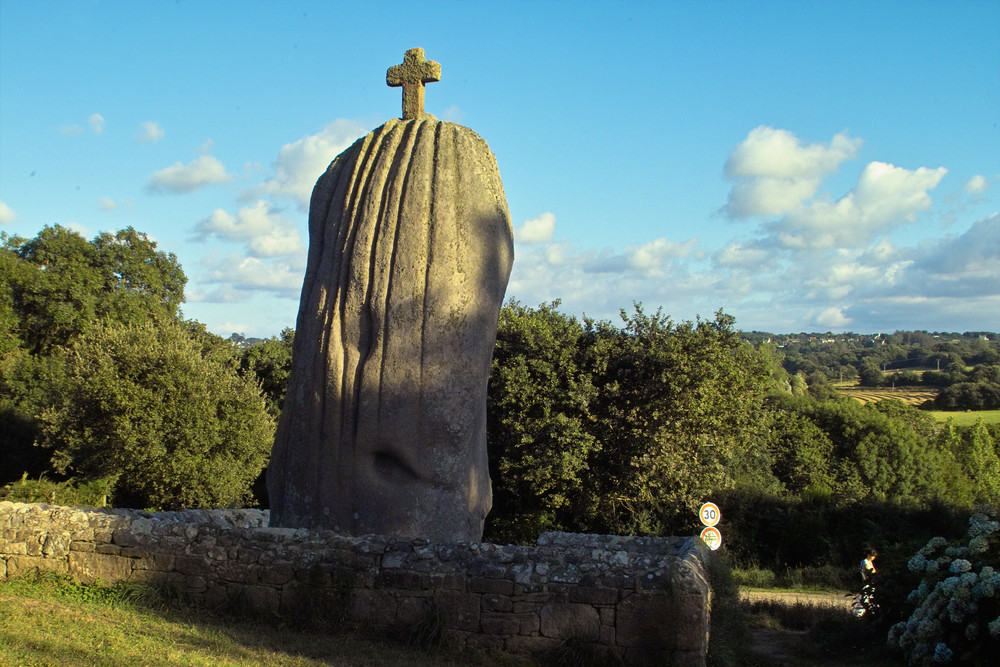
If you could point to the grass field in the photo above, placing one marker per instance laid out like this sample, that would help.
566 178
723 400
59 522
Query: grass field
967 418
51 621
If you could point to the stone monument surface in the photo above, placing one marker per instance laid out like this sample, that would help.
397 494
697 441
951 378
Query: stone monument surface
383 428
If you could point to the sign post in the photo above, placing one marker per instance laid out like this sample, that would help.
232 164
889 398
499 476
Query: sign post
710 515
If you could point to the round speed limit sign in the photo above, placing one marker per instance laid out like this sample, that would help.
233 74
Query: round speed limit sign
712 537
710 514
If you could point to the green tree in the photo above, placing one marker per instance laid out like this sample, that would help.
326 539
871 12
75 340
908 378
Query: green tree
54 286
537 422
171 427
139 282
57 284
270 363
679 406
978 455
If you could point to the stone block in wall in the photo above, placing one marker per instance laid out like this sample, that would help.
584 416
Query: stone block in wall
90 567
56 543
256 600
276 574
19 566
108 549
494 586
376 608
692 627
237 572
498 624
485 642
459 611
194 565
77 545
501 603
527 623
645 619
570 620
3 568
159 562
448 582
596 596
402 580
13 548
521 644
411 611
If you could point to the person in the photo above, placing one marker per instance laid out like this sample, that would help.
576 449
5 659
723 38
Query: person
868 566
864 601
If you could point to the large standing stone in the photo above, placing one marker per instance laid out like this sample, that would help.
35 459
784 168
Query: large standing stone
383 427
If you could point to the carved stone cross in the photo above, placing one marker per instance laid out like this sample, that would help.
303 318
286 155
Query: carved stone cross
412 74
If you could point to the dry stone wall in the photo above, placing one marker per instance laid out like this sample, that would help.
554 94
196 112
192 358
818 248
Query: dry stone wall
642 600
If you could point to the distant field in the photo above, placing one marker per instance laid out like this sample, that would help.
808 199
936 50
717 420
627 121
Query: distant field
910 396
916 397
967 418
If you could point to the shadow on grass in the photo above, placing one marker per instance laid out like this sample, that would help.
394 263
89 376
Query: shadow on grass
129 615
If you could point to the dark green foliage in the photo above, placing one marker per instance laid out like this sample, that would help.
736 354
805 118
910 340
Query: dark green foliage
93 493
173 428
969 396
270 363
58 284
538 413
606 429
678 408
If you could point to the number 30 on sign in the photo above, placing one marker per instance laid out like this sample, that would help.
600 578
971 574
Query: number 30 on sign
712 537
710 514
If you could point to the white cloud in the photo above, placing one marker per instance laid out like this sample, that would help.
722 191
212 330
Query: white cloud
884 198
149 132
536 230
833 318
180 178
775 172
96 122
742 255
109 204
7 214
300 163
71 130
976 185
266 232
240 276
775 153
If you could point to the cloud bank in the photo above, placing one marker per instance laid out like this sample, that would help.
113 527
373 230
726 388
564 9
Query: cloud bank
805 256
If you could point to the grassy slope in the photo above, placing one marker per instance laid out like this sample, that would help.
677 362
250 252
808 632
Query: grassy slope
51 623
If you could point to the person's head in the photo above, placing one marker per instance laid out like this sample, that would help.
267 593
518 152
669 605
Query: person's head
871 554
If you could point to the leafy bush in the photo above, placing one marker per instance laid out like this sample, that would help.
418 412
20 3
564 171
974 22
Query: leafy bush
173 428
957 614
92 493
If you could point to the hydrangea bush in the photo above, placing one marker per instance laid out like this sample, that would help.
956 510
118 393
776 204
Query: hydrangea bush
957 614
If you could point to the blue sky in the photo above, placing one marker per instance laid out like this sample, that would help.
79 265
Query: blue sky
803 166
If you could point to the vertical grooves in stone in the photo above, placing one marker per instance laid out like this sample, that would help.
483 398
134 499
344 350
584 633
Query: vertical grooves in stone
362 222
330 355
429 246
404 155
344 199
